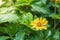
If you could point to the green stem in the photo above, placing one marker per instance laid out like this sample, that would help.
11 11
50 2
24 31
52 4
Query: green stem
55 19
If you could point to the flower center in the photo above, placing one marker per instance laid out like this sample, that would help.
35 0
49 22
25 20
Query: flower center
39 24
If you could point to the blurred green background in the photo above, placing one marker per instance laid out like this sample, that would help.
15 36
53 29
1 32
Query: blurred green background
16 15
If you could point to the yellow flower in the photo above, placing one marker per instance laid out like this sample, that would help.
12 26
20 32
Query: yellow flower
57 0
39 23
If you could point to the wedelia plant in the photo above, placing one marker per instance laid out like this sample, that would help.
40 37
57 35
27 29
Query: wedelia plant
29 19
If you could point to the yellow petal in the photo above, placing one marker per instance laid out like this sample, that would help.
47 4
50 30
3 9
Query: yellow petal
45 22
41 19
34 26
44 27
36 20
33 23
38 28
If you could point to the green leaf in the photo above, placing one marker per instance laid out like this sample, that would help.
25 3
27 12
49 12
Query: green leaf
23 2
8 18
20 34
34 37
43 1
26 18
39 9
49 33
9 29
56 35
7 14
55 16
3 37
40 6
5 10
